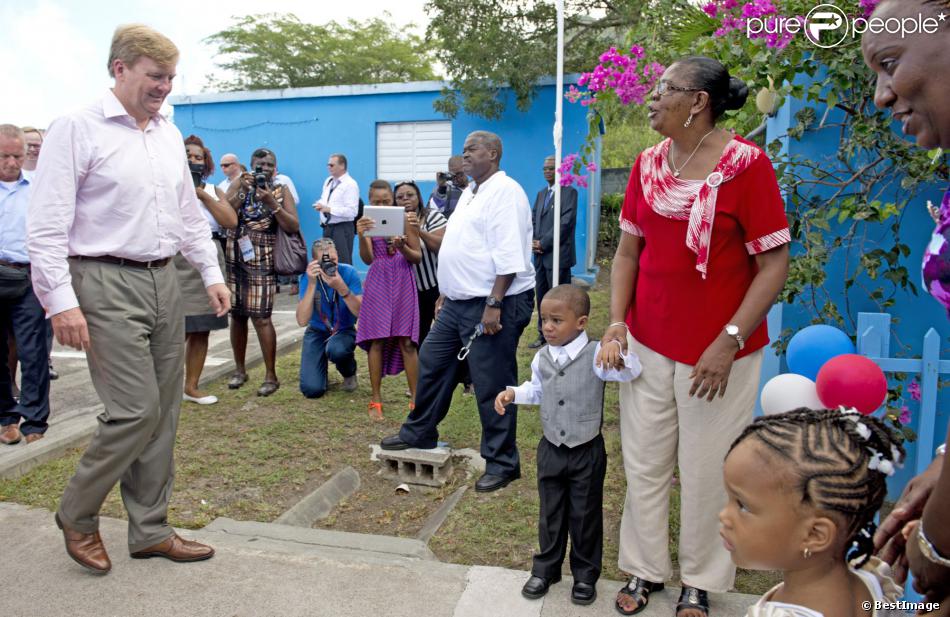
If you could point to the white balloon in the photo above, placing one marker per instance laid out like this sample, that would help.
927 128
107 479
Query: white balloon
787 392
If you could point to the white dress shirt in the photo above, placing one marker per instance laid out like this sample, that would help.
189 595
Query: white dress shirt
14 204
488 235
344 200
529 393
286 181
106 187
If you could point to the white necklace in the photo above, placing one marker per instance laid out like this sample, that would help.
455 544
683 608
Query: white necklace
677 170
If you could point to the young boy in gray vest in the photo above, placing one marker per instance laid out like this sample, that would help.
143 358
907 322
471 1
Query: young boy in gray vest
572 461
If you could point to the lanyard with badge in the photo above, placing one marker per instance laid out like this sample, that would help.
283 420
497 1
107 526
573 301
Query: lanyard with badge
333 324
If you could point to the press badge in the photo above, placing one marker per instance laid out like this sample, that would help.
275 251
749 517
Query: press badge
247 249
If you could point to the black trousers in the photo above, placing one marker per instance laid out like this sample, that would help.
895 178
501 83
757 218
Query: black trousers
342 236
543 279
571 486
493 364
34 337
427 300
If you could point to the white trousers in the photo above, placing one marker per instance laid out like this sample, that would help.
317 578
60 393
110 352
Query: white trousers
660 426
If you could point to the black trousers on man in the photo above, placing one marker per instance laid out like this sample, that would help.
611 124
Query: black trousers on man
27 320
342 236
571 486
493 364
543 281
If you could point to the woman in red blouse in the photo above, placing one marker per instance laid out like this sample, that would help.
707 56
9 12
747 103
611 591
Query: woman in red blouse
702 257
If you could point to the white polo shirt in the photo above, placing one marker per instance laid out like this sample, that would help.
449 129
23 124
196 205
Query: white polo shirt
488 235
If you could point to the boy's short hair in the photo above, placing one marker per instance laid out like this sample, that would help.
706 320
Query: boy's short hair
575 298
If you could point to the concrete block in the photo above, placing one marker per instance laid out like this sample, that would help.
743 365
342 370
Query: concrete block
320 503
414 466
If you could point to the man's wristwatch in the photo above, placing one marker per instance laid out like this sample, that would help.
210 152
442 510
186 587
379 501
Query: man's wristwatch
492 302
733 331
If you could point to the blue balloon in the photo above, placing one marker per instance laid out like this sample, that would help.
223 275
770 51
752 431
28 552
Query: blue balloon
811 347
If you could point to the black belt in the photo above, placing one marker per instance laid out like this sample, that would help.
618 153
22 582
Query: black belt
12 264
121 261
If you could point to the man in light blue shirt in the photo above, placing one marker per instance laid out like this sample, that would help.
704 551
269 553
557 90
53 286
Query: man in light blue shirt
20 311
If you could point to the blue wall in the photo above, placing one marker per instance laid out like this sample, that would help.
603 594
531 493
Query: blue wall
913 315
305 131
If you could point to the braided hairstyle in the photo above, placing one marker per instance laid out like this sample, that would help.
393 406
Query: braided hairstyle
839 459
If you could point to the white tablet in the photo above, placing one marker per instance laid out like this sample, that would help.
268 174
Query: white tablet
389 220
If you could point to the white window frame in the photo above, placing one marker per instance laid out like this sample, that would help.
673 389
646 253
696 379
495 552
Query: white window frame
412 150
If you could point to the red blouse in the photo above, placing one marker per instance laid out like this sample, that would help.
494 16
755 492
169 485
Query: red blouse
676 312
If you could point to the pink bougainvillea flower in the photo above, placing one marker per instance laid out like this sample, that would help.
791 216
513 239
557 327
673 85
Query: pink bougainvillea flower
914 390
905 415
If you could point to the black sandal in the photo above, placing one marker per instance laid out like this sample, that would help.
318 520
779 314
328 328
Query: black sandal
693 598
639 590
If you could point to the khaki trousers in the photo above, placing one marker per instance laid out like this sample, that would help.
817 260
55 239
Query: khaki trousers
660 425
137 337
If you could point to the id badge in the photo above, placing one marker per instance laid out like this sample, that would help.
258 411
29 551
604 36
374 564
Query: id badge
247 249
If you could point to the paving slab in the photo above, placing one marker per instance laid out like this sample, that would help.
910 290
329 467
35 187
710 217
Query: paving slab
268 570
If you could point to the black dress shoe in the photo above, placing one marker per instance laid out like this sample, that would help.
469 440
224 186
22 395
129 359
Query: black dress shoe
583 593
537 586
490 482
394 442
537 343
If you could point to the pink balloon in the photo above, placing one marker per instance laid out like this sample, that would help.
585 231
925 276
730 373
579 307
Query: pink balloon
853 381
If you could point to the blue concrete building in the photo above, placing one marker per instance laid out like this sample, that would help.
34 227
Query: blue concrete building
388 131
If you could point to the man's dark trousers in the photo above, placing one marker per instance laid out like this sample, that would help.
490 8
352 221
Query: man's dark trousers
342 236
543 281
493 364
571 486
33 336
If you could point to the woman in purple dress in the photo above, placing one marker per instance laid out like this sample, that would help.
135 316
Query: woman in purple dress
911 82
389 316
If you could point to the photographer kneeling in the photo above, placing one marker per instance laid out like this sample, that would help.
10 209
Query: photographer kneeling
330 298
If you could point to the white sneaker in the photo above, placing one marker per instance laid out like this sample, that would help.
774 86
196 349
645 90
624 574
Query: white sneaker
201 400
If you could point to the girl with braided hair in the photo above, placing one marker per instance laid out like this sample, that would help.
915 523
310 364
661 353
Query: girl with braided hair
803 489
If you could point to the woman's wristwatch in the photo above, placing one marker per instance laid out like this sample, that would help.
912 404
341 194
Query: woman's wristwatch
733 331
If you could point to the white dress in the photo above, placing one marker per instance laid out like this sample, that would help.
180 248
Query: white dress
875 574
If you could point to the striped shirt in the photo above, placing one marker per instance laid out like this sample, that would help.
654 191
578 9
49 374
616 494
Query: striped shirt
426 269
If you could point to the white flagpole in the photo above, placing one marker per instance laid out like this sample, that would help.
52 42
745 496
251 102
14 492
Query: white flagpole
558 114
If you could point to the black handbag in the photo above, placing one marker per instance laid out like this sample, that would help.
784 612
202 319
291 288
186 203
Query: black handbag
290 253
14 282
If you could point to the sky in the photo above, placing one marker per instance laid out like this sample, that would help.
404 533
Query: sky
56 50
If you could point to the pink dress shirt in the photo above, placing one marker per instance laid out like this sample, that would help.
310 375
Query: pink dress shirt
105 187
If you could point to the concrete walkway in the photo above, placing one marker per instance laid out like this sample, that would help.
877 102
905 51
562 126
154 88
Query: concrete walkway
74 403
276 570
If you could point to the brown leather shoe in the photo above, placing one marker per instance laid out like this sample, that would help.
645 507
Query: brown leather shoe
178 549
10 434
34 437
86 549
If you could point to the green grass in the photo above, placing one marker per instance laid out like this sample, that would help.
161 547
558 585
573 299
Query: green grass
250 458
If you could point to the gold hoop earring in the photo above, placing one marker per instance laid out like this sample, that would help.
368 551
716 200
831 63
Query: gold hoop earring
806 553
688 121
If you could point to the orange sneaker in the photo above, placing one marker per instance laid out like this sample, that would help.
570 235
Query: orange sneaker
375 410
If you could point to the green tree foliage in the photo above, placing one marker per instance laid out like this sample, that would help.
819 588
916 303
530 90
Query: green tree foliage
487 44
280 51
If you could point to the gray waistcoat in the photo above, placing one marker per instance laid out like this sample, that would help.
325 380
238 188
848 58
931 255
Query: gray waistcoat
572 403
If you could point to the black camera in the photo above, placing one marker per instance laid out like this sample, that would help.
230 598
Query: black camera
327 265
443 176
197 170
260 178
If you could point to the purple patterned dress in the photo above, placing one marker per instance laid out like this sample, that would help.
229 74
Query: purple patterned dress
390 308
936 270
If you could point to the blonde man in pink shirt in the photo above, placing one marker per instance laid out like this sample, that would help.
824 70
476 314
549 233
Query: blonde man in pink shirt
117 203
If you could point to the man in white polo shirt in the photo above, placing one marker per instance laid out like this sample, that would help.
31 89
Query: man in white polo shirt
486 279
